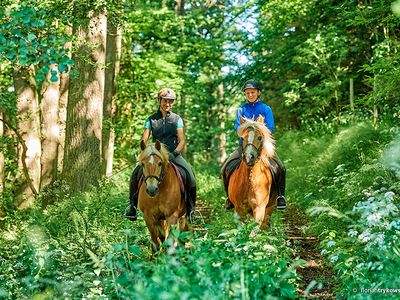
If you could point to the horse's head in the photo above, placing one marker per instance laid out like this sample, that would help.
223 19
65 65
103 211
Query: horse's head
153 160
257 141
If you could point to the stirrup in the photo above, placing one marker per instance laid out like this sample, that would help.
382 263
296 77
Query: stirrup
281 202
193 215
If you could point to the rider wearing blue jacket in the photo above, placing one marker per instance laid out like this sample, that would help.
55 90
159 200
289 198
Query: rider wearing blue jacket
252 110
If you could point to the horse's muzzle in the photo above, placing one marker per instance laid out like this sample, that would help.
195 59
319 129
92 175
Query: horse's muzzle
152 190
249 159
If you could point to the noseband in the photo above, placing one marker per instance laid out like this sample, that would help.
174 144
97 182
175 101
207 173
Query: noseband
162 173
258 149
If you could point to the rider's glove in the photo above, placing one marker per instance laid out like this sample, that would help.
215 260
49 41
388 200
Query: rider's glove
171 156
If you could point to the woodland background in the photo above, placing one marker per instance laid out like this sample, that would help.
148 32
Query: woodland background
78 78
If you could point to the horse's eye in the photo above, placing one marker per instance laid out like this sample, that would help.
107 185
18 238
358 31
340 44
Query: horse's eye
160 164
260 138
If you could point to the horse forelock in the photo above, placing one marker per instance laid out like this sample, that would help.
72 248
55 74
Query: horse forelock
268 149
151 149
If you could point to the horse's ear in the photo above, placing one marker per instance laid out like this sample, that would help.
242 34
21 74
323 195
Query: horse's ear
158 145
260 119
242 120
142 145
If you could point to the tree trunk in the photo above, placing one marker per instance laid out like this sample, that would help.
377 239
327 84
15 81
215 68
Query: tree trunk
113 51
62 109
179 7
50 130
375 107
82 157
222 136
352 100
29 130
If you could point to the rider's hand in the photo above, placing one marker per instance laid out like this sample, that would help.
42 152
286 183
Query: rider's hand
171 156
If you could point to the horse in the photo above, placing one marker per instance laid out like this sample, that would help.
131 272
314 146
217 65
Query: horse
250 184
160 197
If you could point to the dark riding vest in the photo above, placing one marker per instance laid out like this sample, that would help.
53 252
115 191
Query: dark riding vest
165 130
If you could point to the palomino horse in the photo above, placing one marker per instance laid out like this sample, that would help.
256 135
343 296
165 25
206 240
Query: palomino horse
160 198
250 184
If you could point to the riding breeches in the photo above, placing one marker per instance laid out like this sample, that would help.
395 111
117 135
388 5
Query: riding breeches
181 162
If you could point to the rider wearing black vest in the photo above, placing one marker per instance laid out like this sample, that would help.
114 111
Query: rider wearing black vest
167 127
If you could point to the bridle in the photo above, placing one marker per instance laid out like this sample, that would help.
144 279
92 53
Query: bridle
162 173
258 149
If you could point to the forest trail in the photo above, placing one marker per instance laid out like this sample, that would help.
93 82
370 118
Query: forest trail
317 278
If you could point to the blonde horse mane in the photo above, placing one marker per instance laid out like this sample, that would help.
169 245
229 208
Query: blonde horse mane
268 150
151 149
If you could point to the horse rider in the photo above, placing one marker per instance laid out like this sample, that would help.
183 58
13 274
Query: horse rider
251 110
167 127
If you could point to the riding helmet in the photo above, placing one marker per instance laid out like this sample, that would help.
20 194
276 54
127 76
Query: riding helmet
166 93
252 84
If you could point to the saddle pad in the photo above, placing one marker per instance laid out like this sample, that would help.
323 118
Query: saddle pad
178 174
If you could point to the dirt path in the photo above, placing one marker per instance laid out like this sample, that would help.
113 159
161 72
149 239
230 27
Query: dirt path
317 278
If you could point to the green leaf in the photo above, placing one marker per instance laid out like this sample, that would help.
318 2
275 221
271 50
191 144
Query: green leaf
117 247
135 250
54 78
62 68
31 37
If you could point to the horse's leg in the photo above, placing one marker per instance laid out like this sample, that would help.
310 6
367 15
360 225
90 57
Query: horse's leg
154 234
258 215
163 230
268 212
183 224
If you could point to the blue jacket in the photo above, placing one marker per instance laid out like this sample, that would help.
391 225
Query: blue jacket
252 111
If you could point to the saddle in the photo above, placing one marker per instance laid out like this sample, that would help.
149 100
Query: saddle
181 174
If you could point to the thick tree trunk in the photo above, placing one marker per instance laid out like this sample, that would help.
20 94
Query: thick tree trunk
113 51
62 109
29 131
50 130
82 157
179 7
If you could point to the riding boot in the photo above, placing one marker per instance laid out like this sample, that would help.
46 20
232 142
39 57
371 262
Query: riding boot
191 202
131 214
281 185
225 177
228 204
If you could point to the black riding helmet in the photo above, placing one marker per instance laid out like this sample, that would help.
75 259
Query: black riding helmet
251 84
